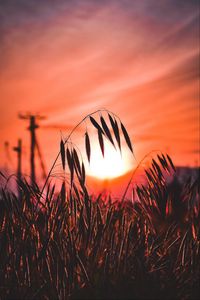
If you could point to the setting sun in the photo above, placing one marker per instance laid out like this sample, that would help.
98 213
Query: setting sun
112 165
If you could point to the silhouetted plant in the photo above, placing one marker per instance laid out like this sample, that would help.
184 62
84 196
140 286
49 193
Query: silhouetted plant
71 245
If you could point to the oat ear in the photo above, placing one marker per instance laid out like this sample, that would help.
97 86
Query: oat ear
107 131
115 128
126 136
87 146
62 152
101 142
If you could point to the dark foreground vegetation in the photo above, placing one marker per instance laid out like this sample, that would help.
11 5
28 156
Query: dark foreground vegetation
71 245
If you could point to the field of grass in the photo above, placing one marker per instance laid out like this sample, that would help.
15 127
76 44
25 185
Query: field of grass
71 245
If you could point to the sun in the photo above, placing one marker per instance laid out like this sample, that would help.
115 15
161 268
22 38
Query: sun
112 165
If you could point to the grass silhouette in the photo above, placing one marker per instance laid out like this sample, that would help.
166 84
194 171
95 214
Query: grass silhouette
71 245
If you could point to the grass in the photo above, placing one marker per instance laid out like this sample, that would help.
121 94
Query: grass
71 245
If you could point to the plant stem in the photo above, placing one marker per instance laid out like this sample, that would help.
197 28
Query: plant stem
65 142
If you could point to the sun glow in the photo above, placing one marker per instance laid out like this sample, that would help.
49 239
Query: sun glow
112 165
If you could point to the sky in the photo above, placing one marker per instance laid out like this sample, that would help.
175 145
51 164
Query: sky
66 59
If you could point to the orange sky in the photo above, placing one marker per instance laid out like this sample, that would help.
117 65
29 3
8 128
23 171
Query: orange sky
138 59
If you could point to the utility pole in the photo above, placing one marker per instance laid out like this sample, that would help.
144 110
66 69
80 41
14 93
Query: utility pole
32 127
18 149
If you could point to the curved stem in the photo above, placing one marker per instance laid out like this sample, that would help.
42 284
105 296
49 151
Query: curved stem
134 171
69 136
65 142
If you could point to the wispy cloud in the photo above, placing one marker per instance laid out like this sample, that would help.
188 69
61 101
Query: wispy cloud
138 58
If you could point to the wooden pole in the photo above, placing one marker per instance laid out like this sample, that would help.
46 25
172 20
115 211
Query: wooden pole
32 128
18 149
